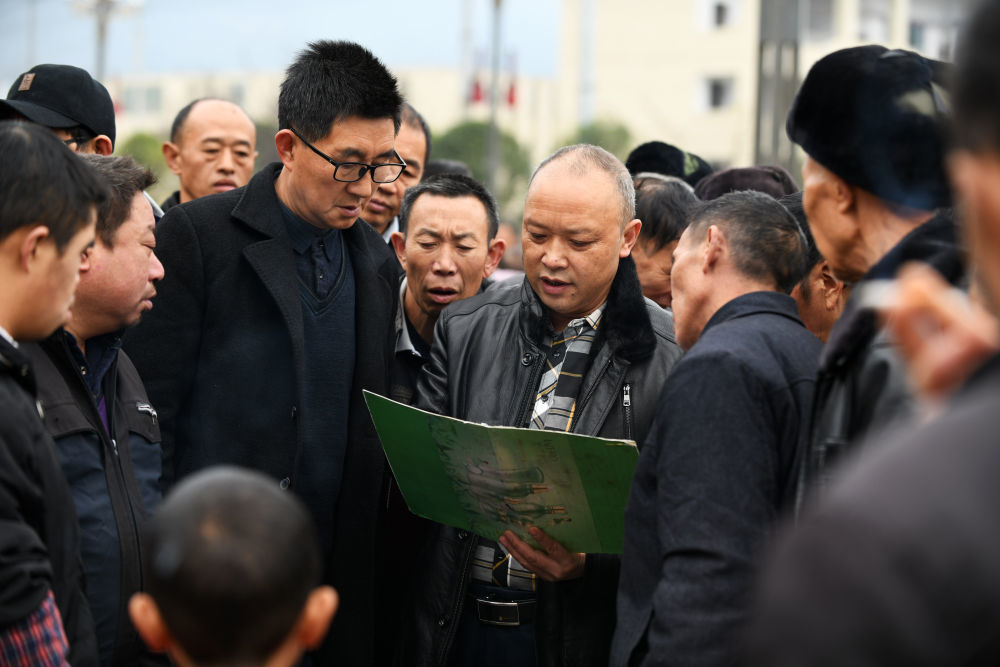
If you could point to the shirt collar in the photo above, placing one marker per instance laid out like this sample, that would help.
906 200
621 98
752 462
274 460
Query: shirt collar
102 351
403 342
7 337
393 227
301 234
593 320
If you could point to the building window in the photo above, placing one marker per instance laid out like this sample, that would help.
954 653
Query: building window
917 32
818 18
717 14
141 99
720 92
720 14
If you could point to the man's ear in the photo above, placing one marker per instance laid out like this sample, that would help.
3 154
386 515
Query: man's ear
29 245
715 246
398 240
844 196
172 154
103 145
830 287
149 623
319 609
284 142
493 256
629 236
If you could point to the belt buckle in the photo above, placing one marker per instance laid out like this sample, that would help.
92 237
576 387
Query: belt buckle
501 613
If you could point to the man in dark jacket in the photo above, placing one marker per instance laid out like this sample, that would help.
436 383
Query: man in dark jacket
899 563
96 409
47 202
870 121
276 311
575 347
721 460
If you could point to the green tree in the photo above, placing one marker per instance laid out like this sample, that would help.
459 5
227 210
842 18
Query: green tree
467 142
145 148
610 135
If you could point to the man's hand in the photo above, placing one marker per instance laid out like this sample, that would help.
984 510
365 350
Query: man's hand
552 564
942 335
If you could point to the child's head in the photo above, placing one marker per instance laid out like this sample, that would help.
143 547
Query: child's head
232 569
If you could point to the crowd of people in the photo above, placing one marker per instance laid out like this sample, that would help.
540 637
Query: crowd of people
189 474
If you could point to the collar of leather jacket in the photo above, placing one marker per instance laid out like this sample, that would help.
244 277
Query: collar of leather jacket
625 325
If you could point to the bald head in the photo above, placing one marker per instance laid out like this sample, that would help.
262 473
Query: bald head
212 148
583 159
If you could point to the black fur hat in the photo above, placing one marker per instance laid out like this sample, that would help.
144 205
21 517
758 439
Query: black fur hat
662 158
876 118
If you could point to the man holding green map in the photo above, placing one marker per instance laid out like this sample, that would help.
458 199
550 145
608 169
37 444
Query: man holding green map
575 347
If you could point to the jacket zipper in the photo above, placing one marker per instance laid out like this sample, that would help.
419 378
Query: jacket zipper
627 405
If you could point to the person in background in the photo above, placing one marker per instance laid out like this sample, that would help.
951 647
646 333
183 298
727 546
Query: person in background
820 294
662 158
663 204
772 180
68 101
212 148
413 144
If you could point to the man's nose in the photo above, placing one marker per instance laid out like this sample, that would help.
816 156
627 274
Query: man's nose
227 163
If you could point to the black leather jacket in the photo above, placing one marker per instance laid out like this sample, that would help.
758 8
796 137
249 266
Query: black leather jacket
485 366
862 385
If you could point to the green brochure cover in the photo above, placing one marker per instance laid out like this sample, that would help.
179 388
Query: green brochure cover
488 479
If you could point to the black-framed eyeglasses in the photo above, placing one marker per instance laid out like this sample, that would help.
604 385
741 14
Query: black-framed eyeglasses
349 172
75 141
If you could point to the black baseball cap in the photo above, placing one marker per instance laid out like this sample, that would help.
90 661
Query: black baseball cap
61 96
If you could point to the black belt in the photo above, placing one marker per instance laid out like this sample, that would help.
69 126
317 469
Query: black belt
495 612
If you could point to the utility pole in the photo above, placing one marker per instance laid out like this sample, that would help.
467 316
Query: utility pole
777 81
493 135
102 11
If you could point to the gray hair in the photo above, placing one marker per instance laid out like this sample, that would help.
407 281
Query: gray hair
583 156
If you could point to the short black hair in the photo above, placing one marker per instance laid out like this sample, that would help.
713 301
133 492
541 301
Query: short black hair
451 185
230 560
765 239
410 116
440 166
793 203
976 83
330 81
126 178
42 182
663 206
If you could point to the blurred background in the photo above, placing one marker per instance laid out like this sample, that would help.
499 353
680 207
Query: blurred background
713 77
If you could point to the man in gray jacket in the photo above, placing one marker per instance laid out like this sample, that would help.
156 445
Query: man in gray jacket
575 347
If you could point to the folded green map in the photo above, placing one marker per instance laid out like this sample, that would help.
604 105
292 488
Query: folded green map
489 479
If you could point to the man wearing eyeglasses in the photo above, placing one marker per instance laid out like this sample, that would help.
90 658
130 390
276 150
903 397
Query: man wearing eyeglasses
277 309
68 101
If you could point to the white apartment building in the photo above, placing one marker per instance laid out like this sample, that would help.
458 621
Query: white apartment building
681 71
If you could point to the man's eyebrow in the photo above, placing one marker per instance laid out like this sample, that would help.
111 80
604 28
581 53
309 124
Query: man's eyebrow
429 232
220 140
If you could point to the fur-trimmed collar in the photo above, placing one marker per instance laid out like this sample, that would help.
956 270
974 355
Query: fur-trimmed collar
625 324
